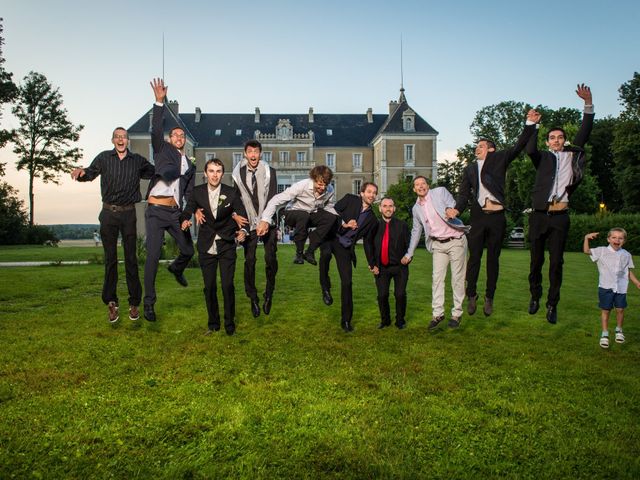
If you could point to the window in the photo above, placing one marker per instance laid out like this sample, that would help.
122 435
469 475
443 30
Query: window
301 157
356 186
409 159
330 160
209 156
357 162
266 157
284 157
408 124
238 132
218 132
329 132
237 158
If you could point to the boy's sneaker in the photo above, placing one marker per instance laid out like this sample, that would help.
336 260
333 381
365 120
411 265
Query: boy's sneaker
619 337
113 312
435 322
604 342
134 313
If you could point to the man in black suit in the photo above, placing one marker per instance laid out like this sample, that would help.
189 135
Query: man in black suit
390 241
172 183
357 221
559 171
216 241
483 186
257 183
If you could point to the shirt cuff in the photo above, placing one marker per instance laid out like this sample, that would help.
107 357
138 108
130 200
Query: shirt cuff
589 109
158 104
529 122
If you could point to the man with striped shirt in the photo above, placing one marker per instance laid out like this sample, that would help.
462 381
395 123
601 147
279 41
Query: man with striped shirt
120 172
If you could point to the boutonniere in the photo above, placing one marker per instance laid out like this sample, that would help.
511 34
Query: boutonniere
221 199
193 160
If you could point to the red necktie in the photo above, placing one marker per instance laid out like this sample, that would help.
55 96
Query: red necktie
384 255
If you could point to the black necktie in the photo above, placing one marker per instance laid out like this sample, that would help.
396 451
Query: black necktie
254 192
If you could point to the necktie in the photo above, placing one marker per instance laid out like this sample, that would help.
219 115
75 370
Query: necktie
384 255
254 192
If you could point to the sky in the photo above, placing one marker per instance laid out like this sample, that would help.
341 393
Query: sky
286 56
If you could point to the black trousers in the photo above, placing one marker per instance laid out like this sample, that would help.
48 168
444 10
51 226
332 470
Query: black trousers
226 260
400 276
487 229
159 219
270 241
111 224
301 221
345 270
551 230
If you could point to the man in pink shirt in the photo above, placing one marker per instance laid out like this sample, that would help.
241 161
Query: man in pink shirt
446 241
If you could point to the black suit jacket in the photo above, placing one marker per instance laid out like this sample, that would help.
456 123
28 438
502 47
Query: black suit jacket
545 163
493 172
222 224
168 159
349 207
399 237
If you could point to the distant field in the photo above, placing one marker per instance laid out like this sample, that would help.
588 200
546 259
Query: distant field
292 396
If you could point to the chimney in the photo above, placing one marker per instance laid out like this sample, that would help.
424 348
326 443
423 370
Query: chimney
310 114
369 115
198 114
173 105
392 106
256 118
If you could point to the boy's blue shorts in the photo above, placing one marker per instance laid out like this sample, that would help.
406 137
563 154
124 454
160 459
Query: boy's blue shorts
608 299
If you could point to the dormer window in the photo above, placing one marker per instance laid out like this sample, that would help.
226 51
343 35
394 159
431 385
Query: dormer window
409 120
218 132
329 132
238 132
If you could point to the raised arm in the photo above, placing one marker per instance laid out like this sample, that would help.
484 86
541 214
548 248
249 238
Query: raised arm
586 249
533 118
584 92
157 133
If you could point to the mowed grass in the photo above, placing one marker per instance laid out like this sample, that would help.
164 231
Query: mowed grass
42 253
292 396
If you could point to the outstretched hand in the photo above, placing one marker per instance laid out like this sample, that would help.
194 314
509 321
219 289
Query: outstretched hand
584 92
77 173
159 90
591 236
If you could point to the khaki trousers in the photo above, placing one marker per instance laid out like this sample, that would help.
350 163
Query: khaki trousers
454 253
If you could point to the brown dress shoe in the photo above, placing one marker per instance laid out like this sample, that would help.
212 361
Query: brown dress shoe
488 306
114 315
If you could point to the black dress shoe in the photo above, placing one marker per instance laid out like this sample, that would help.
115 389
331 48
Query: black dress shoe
552 314
326 297
298 260
534 305
383 325
255 308
401 326
180 278
230 330
472 305
149 313
346 326
266 306
308 257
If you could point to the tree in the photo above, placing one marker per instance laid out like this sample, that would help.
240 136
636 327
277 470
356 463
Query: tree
626 145
403 198
602 162
8 91
450 175
13 217
43 140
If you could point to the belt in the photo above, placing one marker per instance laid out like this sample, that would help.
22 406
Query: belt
552 213
444 240
118 208
491 212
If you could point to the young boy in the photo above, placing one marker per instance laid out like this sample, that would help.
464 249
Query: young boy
614 264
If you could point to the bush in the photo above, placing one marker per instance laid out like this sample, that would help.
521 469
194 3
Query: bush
39 235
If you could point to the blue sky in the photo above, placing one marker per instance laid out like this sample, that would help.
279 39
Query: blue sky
285 56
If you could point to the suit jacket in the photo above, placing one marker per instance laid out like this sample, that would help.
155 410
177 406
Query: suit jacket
239 176
493 172
168 159
441 200
545 163
349 207
222 224
398 241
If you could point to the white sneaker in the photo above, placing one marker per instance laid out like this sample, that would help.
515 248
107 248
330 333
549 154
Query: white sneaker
619 337
604 342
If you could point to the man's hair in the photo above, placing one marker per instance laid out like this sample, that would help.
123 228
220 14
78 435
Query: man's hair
253 144
619 230
119 128
176 128
555 129
215 161
387 198
490 143
413 182
321 172
364 186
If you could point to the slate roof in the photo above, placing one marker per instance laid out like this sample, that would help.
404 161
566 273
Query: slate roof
348 130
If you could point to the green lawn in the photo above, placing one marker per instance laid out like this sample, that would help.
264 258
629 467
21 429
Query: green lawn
41 253
292 396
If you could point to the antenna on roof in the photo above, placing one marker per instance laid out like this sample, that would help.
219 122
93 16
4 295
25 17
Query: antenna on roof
401 67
